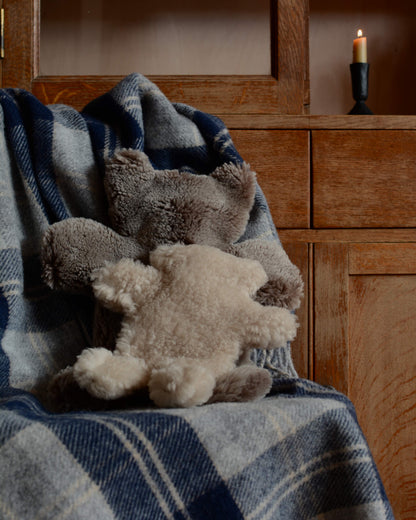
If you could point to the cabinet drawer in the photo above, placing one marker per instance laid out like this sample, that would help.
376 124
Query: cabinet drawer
364 178
281 160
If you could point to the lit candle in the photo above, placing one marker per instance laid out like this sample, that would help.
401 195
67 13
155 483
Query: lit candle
359 48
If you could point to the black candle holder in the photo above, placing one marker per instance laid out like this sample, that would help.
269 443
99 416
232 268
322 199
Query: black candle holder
359 79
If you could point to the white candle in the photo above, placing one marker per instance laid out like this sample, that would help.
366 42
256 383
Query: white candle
359 48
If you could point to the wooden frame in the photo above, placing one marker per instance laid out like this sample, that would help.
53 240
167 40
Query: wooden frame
285 91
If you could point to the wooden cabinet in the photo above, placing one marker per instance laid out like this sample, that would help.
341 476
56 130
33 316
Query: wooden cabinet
343 195
361 285
365 291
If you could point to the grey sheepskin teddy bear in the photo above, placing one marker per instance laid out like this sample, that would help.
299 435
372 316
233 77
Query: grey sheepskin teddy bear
188 317
148 208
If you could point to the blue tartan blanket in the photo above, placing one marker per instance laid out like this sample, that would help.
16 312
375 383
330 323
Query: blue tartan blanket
297 454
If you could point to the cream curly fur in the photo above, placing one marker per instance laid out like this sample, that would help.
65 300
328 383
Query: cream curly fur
187 319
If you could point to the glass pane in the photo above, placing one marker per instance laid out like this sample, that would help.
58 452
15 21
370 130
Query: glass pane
157 37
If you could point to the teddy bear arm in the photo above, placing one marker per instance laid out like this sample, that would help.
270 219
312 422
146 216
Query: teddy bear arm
269 327
73 248
284 287
123 285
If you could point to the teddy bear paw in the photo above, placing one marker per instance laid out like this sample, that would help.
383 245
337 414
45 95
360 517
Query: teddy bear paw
109 376
181 385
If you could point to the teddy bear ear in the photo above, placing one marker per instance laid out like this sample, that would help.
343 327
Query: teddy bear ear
128 162
165 256
238 178
127 174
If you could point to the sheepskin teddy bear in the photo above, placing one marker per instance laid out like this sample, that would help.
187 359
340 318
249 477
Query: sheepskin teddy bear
148 208
188 317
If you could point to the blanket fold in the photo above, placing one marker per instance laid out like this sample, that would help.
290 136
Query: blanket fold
299 453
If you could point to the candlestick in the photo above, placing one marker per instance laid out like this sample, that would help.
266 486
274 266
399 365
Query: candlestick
359 48
359 79
359 74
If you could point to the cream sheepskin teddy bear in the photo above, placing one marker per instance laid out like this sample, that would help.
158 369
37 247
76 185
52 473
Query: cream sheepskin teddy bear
188 317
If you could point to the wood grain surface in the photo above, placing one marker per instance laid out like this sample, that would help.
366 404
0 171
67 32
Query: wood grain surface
299 255
213 94
281 160
21 42
314 122
382 382
364 345
349 235
382 258
364 178
330 308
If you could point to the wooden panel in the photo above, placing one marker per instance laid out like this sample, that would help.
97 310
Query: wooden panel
382 379
364 178
281 160
298 254
382 258
331 315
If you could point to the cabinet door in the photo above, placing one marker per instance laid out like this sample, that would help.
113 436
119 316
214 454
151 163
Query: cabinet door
364 345
284 89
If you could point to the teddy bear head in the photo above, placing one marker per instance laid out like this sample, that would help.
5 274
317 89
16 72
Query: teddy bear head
170 206
186 264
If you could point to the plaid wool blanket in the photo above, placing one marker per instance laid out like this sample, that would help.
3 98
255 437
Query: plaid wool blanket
297 454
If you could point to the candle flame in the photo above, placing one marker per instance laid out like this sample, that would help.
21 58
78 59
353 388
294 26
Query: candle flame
359 33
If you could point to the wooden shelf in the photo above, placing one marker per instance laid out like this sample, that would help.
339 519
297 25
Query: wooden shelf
323 122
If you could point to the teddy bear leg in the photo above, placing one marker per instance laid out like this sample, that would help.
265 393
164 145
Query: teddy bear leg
65 395
182 383
109 376
245 383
